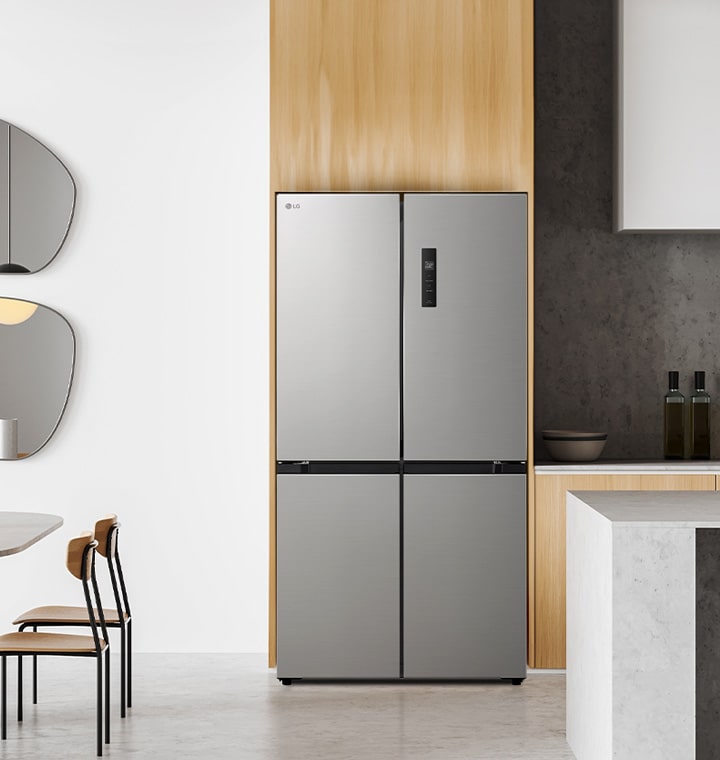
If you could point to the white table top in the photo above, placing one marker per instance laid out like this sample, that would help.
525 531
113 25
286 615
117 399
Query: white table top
18 530
667 509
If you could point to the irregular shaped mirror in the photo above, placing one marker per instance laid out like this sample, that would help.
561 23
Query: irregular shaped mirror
37 200
37 356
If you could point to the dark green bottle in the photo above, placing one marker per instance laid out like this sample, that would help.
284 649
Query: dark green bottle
674 419
700 420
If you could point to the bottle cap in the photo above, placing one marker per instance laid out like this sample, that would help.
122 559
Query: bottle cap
700 381
673 380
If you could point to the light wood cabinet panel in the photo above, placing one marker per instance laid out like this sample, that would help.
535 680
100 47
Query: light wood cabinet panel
402 95
547 609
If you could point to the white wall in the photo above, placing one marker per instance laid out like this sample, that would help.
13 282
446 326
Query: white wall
159 108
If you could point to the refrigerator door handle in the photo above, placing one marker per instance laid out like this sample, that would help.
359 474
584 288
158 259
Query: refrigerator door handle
428 277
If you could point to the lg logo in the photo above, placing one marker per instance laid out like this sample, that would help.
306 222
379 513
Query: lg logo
288 206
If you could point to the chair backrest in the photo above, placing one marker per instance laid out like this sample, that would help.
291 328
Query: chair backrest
106 533
106 536
79 556
81 563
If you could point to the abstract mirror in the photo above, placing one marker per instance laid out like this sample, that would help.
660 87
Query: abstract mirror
37 357
37 201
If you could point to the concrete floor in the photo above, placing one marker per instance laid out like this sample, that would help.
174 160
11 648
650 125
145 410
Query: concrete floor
231 706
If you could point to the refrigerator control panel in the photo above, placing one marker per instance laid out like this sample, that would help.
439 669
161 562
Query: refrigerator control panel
428 279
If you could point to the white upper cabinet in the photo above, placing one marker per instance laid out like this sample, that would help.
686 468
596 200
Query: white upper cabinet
668 116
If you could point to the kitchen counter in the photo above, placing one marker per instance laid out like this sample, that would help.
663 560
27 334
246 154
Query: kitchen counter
687 466
643 607
654 509
550 484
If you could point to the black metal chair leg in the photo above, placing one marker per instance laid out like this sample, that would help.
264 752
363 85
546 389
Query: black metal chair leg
99 706
20 690
107 695
35 661
3 710
123 672
128 676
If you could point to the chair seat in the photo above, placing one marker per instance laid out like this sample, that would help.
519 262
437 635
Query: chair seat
47 643
65 616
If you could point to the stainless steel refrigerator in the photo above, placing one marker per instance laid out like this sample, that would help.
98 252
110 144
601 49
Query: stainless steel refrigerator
401 435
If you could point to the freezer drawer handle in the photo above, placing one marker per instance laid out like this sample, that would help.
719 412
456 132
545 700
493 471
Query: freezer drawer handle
286 468
428 278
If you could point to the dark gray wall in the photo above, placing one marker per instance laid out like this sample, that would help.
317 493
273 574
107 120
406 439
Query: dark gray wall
707 640
613 313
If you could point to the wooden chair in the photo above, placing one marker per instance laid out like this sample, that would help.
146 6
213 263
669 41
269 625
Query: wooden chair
106 534
81 563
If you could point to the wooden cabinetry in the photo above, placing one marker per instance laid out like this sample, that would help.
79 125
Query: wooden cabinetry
547 578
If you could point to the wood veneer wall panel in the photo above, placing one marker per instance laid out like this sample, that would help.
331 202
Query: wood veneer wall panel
550 544
401 95
531 514
272 486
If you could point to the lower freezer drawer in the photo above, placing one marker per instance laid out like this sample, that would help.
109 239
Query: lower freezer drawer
465 576
338 576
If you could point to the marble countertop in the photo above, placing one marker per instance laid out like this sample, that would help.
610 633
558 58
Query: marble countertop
686 466
660 509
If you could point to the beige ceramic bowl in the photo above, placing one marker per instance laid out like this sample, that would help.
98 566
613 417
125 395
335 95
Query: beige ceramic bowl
574 445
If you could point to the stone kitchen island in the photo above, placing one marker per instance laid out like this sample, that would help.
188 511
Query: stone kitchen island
643 625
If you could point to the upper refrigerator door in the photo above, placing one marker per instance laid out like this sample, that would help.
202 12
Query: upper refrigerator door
338 285
465 344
